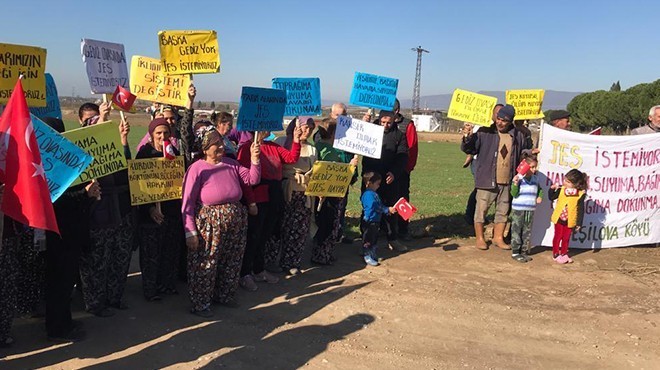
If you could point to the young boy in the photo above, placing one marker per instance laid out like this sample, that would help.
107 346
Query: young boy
526 194
373 211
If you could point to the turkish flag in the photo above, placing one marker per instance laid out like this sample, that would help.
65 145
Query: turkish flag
123 98
522 168
405 209
168 150
26 197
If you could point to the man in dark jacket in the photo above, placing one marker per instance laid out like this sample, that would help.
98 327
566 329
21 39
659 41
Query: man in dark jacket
391 166
406 126
498 148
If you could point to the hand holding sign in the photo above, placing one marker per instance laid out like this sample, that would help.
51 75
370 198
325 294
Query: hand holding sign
93 190
405 209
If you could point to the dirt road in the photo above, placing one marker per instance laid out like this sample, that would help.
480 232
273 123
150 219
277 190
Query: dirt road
440 306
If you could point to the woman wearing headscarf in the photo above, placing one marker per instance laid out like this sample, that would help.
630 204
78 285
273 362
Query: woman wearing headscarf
269 202
181 126
298 207
104 267
215 222
160 227
329 210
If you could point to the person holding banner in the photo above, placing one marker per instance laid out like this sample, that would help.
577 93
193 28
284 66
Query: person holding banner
104 267
298 207
17 243
160 226
90 112
653 127
499 148
269 200
182 135
328 210
63 253
215 222
390 166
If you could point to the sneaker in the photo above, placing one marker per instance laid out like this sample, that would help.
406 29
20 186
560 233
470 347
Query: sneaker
74 335
369 260
568 259
265 276
395 245
519 257
103 312
405 237
7 342
561 259
247 283
273 268
119 306
205 313
346 240
232 303
294 272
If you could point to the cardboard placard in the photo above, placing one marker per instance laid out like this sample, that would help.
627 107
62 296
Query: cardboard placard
154 180
188 52
29 60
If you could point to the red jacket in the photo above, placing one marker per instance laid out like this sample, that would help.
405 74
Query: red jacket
272 157
408 127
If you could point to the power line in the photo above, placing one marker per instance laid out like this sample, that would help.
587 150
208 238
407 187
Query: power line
418 77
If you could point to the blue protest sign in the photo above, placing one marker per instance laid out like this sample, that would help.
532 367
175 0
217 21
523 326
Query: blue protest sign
52 108
374 91
303 95
63 160
261 109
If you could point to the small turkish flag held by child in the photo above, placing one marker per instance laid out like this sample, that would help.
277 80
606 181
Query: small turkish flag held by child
123 98
522 168
168 150
405 209
596 131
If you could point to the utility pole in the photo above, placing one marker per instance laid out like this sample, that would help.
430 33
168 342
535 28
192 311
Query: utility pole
418 77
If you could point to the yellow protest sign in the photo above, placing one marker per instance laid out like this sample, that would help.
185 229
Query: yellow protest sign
31 62
185 52
154 180
102 142
527 103
471 107
148 82
330 179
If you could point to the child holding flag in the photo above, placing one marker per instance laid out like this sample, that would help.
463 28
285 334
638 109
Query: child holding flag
374 209
526 194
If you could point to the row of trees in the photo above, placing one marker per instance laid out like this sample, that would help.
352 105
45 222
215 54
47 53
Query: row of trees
615 110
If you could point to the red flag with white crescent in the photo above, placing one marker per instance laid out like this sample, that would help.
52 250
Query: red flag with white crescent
26 197
168 150
123 98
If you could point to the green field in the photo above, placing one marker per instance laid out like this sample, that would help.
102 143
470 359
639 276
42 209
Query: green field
440 187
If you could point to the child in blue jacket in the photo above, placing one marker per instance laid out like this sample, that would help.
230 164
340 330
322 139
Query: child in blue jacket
373 212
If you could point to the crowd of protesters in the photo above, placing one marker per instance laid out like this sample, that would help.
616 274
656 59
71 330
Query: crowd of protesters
244 216
243 219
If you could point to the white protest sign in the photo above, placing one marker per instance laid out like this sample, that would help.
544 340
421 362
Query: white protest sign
106 65
359 137
622 206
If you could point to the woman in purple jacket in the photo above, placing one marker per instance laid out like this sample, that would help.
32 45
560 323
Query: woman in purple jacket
215 222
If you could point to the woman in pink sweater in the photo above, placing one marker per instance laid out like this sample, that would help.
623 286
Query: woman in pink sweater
215 222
